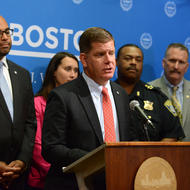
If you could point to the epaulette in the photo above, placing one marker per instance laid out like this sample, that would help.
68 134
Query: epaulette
148 86
156 89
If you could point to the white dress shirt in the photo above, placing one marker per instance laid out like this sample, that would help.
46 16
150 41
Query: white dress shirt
96 93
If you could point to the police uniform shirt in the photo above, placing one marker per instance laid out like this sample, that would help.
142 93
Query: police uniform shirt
159 110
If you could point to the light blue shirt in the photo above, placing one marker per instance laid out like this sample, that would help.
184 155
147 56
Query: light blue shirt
6 74
96 93
179 92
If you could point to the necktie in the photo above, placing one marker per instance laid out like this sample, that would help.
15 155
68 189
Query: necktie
109 128
176 103
6 91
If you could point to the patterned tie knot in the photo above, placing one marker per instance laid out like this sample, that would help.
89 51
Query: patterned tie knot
105 92
175 88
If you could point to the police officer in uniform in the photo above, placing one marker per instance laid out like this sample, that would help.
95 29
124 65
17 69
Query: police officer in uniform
159 110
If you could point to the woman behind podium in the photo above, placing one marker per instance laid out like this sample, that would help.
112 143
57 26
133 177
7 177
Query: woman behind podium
63 67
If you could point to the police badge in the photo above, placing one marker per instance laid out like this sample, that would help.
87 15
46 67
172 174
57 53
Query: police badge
148 105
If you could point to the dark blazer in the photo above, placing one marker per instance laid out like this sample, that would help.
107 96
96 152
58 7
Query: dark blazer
17 136
72 129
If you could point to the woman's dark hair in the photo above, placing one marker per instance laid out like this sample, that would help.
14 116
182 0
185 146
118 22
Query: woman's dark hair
49 79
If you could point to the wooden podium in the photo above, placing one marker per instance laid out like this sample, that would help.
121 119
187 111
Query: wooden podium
121 161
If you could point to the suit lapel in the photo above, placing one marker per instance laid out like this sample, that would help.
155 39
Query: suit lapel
15 90
119 105
186 100
164 87
186 97
2 100
4 106
86 100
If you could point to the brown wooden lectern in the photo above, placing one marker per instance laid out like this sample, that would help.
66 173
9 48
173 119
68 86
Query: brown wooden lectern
122 160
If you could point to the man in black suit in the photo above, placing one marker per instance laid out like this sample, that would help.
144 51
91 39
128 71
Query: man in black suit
17 128
74 121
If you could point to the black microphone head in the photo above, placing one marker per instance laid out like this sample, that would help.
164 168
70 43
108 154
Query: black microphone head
133 104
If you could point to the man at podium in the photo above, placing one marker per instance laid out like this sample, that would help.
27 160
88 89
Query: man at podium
86 112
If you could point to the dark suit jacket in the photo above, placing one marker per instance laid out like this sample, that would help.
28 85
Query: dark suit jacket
17 136
72 129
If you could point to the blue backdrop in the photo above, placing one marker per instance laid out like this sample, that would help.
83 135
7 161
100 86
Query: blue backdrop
44 27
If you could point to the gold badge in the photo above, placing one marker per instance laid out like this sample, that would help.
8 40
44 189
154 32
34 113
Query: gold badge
148 105
150 87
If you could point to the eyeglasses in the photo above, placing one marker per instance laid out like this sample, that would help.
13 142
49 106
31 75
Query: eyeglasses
8 32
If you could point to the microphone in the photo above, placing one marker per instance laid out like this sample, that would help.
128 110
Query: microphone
134 105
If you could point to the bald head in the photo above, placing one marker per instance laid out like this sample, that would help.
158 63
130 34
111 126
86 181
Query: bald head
3 22
5 38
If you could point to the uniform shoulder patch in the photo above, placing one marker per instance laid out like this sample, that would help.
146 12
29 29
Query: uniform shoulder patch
169 106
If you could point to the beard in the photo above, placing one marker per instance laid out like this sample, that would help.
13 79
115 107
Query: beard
5 51
129 79
2 54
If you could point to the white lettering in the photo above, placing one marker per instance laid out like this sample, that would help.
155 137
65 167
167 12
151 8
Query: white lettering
75 39
18 30
66 37
35 36
28 36
51 37
42 76
32 77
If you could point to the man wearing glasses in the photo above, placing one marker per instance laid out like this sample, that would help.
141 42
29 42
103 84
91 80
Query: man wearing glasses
17 116
173 84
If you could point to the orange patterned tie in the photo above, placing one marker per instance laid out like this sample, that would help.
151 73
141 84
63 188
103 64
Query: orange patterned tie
109 128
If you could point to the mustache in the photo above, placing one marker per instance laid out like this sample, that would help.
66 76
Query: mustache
132 68
174 71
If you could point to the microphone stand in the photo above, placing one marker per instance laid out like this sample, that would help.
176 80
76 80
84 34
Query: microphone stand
146 131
